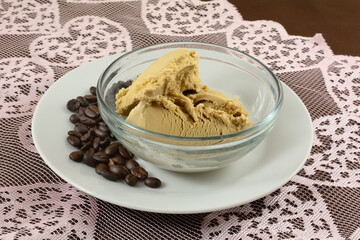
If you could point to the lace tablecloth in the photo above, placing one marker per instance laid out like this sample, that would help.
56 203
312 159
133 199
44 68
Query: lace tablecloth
41 40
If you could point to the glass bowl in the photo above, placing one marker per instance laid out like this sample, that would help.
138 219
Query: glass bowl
221 68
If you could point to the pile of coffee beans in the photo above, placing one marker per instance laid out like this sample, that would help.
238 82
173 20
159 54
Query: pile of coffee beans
97 146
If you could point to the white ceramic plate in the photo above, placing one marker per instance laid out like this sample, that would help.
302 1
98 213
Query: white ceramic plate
265 169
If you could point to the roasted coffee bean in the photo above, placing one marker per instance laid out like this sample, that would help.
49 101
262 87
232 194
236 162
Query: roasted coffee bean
81 111
112 149
108 175
111 162
98 119
87 121
101 167
119 85
115 87
88 158
124 171
93 104
120 171
81 128
127 83
92 128
112 137
93 107
76 156
86 146
101 157
91 98
119 160
104 128
100 134
74 133
90 113
75 141
102 123
93 90
130 164
86 137
74 118
73 105
152 182
123 152
115 169
96 143
131 180
82 101
139 172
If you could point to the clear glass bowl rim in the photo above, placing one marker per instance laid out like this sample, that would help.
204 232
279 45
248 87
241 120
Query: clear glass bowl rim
252 130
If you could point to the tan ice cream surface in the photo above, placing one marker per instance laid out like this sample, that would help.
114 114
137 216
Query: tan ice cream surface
169 98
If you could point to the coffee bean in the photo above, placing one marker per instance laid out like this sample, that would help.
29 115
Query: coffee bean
73 105
152 182
112 137
87 121
102 123
119 171
90 113
74 118
94 108
139 172
101 167
86 146
112 149
124 171
131 180
93 90
74 133
81 128
123 152
93 103
101 157
91 98
104 128
75 141
96 143
88 158
100 134
127 83
76 156
130 164
82 101
98 119
108 175
81 111
91 134
105 142
119 160
111 162
86 137
119 85
92 128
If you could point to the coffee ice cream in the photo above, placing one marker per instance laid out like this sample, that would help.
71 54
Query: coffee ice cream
169 98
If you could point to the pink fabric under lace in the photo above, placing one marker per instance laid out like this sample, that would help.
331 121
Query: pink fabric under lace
41 40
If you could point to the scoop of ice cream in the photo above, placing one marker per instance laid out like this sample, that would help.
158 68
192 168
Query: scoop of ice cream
170 75
169 98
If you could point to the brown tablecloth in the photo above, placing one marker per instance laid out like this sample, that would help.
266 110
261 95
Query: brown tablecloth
41 40
338 21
